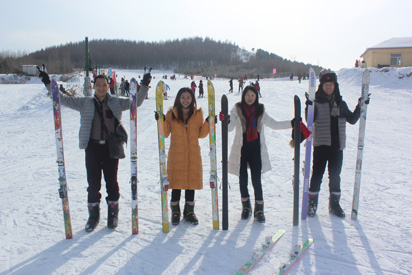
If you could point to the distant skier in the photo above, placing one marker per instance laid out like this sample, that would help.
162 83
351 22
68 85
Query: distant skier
165 89
329 141
111 83
99 117
240 84
257 86
201 88
193 86
127 88
231 85
122 86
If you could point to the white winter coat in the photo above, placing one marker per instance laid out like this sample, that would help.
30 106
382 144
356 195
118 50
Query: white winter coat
238 122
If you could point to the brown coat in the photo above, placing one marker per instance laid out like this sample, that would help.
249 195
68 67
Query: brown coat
184 162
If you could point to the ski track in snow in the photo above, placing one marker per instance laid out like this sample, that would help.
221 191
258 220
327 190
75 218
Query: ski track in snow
31 224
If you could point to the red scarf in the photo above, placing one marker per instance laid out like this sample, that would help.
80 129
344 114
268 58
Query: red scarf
251 123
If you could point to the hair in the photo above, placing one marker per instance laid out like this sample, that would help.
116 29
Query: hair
102 77
179 106
259 107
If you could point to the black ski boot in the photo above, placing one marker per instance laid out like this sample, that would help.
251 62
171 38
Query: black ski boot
94 216
246 208
174 205
312 204
112 214
259 214
189 213
334 207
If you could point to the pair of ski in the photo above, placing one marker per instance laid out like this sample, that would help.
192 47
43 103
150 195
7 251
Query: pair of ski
361 142
163 156
267 246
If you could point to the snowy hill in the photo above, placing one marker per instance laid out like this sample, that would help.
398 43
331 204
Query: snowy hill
32 239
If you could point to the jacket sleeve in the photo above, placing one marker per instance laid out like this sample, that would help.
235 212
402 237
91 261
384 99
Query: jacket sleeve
167 125
124 103
74 103
351 117
141 94
274 124
234 119
204 128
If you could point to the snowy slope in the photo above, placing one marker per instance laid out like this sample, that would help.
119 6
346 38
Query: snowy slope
32 239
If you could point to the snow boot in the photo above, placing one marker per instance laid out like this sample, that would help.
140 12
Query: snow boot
246 208
174 205
334 206
313 203
189 213
112 214
94 216
259 214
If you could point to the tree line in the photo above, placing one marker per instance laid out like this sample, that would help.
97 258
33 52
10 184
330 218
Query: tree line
200 56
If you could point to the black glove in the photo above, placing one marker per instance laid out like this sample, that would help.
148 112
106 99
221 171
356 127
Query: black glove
157 116
308 102
292 122
366 101
222 117
207 119
43 75
146 79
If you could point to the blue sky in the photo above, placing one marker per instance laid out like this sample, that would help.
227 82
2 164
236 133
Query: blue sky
330 33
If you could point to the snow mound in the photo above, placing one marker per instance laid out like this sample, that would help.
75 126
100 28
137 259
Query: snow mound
394 78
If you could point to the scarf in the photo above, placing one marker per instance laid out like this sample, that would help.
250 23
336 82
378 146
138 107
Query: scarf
334 110
251 123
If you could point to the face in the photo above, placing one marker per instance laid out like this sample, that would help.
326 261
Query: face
250 97
185 100
329 87
101 87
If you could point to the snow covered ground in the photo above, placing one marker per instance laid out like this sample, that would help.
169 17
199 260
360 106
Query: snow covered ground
32 239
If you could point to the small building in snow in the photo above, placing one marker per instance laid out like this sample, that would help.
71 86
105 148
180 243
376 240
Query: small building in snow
395 52
30 69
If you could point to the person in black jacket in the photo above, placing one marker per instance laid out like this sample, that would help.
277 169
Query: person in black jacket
329 140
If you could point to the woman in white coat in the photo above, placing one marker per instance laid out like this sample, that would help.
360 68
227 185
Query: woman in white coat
249 149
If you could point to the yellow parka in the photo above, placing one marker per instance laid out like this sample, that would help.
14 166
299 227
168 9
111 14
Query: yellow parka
184 161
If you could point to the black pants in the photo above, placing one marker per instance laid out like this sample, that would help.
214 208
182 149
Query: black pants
189 195
98 160
333 157
250 154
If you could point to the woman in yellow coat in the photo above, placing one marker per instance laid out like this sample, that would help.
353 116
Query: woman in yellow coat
185 124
